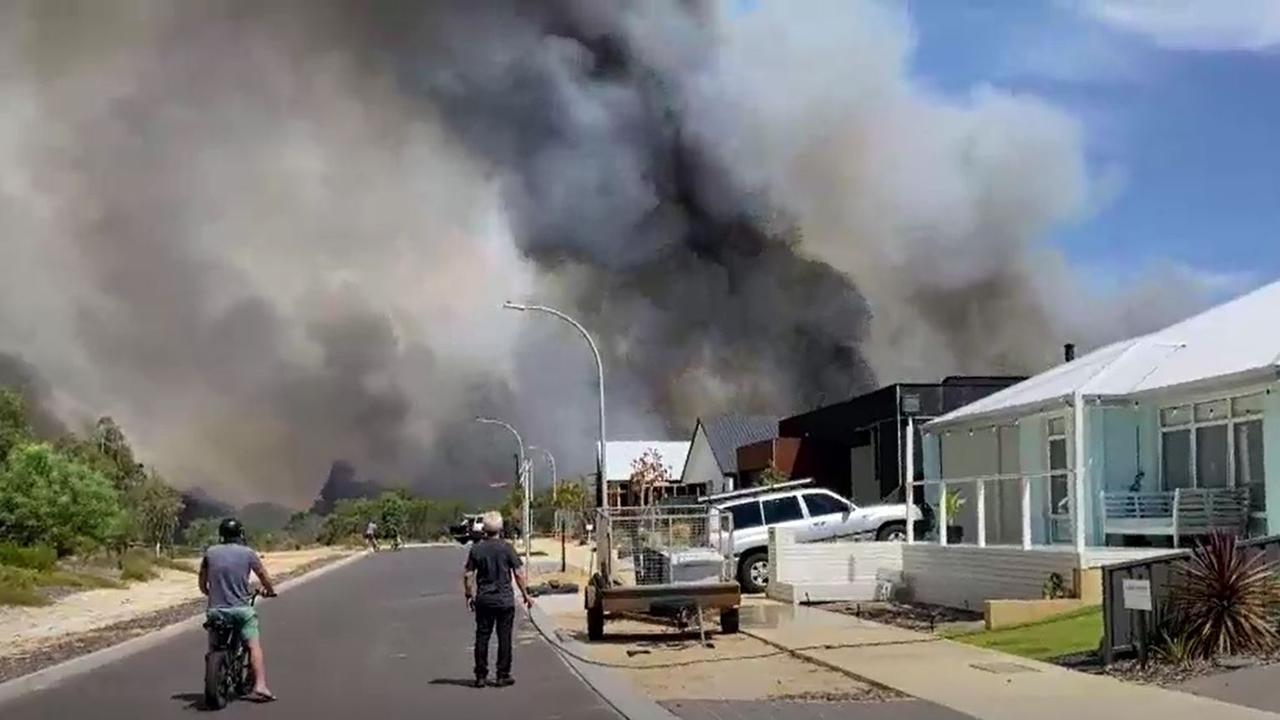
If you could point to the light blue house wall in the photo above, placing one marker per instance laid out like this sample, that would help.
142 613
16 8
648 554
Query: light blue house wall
1271 452
1122 444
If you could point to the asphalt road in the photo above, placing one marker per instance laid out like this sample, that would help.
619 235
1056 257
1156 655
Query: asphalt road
386 637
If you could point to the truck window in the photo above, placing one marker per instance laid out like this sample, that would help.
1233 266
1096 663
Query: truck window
824 504
746 515
783 509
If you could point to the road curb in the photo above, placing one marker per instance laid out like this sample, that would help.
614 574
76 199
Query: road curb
55 674
615 690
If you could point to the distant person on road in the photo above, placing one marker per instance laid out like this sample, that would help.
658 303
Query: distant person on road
371 535
224 579
491 565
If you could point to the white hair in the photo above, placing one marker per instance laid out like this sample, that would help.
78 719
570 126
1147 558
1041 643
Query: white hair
492 522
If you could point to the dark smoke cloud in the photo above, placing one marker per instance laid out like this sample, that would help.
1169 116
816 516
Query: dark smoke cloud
271 236
20 376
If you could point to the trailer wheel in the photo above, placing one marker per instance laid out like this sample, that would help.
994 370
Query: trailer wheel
595 621
729 621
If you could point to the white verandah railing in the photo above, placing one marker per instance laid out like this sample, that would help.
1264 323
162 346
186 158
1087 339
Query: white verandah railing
1072 518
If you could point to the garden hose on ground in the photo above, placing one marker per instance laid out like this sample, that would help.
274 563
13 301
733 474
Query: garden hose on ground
561 647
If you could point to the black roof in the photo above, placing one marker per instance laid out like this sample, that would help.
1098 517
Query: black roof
727 433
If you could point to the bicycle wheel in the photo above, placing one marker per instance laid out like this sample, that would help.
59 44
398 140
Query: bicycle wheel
216 680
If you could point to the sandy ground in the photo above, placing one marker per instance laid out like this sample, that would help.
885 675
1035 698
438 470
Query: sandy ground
24 630
669 665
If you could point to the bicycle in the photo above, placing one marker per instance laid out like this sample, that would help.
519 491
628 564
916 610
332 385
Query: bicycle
227 672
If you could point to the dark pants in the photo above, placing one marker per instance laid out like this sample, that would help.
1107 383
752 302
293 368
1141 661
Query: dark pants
486 618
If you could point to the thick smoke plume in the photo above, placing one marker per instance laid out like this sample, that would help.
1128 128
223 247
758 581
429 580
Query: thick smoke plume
269 236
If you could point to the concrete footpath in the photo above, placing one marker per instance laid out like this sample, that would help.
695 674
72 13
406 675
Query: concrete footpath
983 683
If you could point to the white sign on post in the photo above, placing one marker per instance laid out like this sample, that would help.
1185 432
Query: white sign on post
1137 595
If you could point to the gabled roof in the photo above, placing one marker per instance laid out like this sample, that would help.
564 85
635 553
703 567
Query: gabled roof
1239 340
621 453
727 433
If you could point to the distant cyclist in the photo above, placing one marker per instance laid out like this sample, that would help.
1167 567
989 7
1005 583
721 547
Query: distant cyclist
371 535
224 579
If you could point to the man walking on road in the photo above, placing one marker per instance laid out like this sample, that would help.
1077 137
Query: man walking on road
491 565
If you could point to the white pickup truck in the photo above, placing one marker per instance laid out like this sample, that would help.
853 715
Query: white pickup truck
815 513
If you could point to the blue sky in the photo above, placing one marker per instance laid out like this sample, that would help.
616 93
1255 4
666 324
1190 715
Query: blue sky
1180 105
1181 110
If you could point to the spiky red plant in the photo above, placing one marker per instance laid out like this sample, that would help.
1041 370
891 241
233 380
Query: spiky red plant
1223 600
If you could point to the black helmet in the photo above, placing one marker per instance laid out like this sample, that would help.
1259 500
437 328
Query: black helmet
230 530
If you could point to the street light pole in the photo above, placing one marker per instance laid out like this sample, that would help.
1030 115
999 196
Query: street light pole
521 479
600 451
555 495
551 460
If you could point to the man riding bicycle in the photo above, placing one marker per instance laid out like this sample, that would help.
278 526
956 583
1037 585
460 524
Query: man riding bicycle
224 579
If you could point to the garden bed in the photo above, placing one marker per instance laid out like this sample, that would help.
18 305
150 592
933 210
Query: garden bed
920 617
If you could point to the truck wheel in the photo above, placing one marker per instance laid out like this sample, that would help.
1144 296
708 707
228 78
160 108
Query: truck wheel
892 532
753 571
595 621
729 621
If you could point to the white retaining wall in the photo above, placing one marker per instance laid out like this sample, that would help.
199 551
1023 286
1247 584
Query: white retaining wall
829 571
966 576
962 576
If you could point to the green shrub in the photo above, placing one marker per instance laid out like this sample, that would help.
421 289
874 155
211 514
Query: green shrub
50 498
40 558
175 564
78 580
18 587
137 566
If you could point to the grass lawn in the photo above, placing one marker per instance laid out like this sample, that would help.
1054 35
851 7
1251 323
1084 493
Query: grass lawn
1072 632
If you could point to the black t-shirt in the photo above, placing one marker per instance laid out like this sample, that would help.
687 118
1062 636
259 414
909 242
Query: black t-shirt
492 560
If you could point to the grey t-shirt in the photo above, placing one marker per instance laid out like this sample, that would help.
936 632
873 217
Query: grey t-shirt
227 567
492 560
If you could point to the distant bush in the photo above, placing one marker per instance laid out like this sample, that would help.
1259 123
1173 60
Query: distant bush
40 558
136 566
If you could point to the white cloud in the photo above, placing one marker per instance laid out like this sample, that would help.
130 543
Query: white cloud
1194 24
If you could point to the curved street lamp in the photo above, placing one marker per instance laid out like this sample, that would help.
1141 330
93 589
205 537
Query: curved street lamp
521 479
600 451
551 460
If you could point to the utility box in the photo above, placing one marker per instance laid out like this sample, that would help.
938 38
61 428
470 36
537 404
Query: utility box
693 566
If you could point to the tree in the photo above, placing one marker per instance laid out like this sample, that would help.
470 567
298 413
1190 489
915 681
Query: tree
15 425
647 471
572 502
201 532
393 512
153 507
771 476
49 498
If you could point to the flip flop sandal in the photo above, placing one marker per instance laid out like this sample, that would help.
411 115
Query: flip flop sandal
259 697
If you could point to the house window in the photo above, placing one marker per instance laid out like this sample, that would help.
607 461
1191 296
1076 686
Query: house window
1214 444
1059 480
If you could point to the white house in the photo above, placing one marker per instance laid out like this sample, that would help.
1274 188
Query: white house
713 450
1178 427
1180 434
